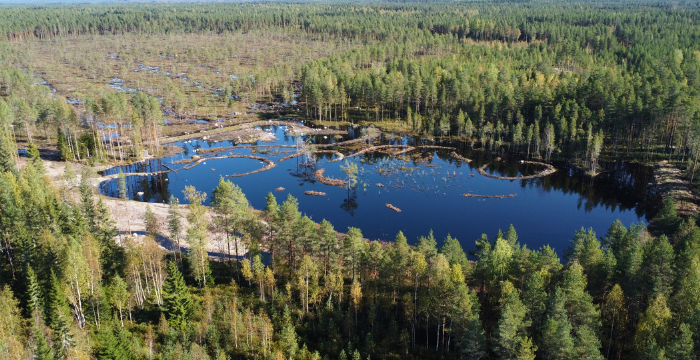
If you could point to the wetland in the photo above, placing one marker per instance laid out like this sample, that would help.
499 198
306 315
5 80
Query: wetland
443 187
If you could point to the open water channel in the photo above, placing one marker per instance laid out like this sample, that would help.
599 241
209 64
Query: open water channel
427 184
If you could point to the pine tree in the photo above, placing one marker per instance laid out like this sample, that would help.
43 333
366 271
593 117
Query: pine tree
454 253
473 343
288 340
329 244
511 236
535 299
231 206
587 344
177 301
150 221
557 342
681 348
657 273
512 326
352 249
271 214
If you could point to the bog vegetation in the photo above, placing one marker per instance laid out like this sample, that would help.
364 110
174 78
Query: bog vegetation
573 81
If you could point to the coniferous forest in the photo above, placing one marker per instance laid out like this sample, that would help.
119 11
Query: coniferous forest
579 82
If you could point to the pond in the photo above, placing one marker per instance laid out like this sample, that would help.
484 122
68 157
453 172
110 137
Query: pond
426 183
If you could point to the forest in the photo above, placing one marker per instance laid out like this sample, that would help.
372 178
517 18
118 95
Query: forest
87 87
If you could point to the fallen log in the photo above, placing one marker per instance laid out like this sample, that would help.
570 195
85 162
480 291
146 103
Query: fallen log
490 196
549 170
392 207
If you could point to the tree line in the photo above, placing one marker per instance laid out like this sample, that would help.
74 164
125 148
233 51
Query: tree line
563 80
75 288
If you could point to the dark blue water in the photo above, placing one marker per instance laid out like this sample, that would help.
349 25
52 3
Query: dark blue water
427 187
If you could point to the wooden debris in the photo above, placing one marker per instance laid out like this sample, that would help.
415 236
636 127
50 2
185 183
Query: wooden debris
490 196
460 157
549 170
392 207
269 164
314 193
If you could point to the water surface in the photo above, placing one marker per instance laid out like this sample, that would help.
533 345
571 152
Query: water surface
426 184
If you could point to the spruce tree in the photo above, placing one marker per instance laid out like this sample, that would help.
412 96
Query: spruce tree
113 343
35 157
62 337
55 302
177 301
121 186
8 149
34 302
88 204
42 351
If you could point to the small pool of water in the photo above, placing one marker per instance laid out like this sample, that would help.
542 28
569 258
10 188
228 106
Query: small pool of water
426 184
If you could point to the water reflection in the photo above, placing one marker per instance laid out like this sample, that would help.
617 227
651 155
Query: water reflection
350 204
426 184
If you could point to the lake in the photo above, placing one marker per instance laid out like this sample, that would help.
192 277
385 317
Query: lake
426 184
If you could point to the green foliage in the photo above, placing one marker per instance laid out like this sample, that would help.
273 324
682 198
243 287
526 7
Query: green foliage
121 185
580 81
175 223
197 236
454 253
12 339
55 305
64 148
177 300
682 346
557 342
63 339
34 296
42 351
35 157
512 326
350 170
113 343
119 296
